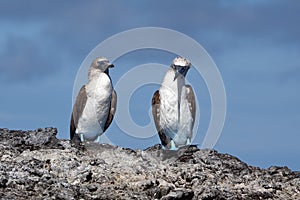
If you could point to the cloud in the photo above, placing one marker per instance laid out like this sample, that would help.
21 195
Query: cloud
32 10
103 18
73 28
24 59
241 19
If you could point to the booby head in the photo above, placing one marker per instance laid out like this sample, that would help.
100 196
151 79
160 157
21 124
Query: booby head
181 66
100 64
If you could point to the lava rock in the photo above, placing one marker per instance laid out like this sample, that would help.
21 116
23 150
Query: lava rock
35 164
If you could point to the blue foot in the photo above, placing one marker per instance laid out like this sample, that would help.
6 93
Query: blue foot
81 138
173 146
98 140
188 141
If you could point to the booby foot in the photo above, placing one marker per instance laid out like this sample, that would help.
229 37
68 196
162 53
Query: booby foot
98 140
173 146
188 141
81 137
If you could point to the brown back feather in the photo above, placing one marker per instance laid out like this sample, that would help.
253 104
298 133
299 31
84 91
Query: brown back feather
192 102
77 110
112 110
165 140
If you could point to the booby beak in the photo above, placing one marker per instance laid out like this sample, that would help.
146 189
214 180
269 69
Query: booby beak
110 65
180 70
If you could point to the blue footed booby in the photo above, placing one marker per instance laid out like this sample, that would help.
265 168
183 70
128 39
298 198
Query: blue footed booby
174 107
95 104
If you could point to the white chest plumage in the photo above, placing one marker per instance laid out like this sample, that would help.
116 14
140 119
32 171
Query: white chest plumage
175 116
95 113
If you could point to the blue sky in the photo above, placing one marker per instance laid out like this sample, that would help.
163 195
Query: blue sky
255 44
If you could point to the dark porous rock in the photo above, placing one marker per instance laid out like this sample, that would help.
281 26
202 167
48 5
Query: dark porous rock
36 165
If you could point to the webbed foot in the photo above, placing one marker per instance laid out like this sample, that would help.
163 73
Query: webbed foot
98 140
173 146
81 137
188 141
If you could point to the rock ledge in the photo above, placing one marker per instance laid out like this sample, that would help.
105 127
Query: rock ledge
35 164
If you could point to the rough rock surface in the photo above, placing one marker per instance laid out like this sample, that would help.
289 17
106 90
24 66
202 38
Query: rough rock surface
35 164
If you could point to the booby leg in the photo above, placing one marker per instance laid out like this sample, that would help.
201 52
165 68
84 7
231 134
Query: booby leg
98 140
173 146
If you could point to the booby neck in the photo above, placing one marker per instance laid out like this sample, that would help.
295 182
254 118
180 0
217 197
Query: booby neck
95 73
173 86
169 81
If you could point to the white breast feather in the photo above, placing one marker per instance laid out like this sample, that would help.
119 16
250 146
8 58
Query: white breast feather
94 116
178 129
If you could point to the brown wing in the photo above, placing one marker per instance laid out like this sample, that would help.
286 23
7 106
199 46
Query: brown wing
192 102
77 110
112 110
156 116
